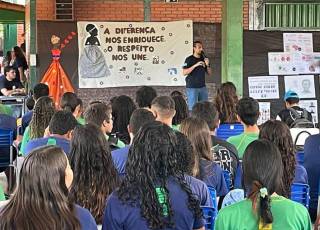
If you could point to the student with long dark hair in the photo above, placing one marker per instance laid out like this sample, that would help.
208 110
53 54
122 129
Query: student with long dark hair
122 108
20 64
279 133
144 96
226 100
41 116
183 153
41 199
203 167
225 154
263 208
182 111
154 194
95 176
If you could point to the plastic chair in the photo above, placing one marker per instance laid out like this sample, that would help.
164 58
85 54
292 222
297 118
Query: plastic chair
213 195
300 157
301 194
6 153
209 215
227 130
227 178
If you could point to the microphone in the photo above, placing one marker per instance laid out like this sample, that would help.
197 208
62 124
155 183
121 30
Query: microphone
203 55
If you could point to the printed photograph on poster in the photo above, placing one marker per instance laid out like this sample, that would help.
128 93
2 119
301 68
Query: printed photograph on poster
264 108
298 42
303 85
312 107
263 87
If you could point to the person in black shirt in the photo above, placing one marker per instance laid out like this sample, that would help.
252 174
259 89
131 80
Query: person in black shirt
19 64
292 111
224 153
195 68
8 86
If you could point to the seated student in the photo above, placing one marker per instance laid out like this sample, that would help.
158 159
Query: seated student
122 108
45 177
176 93
182 111
225 154
100 114
80 118
312 165
70 102
138 118
292 110
153 194
183 153
61 127
248 114
39 90
263 208
144 96
197 131
8 86
95 176
226 101
279 133
41 116
163 108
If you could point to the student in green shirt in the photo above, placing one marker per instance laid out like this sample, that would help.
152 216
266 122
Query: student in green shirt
41 116
263 209
248 114
100 114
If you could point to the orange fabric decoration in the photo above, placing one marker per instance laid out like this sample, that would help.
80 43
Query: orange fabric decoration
56 78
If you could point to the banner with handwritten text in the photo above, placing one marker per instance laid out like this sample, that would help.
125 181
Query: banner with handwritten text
116 54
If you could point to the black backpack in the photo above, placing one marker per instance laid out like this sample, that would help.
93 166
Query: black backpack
300 120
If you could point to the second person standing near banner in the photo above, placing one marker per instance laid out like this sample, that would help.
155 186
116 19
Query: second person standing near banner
195 68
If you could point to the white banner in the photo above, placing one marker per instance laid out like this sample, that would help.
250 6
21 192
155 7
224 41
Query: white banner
263 87
293 63
115 54
298 42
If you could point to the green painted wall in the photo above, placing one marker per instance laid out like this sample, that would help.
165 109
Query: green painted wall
232 43
11 16
33 41
10 37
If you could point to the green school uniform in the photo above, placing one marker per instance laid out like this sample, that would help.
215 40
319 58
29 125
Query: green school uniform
25 140
119 144
287 215
242 141
81 121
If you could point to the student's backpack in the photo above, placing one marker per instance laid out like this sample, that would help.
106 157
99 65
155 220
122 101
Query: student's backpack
300 120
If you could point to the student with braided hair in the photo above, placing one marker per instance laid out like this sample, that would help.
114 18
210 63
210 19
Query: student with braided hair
263 209
154 194
41 116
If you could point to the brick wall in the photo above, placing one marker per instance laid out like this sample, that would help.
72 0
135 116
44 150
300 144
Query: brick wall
45 10
132 10
109 10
